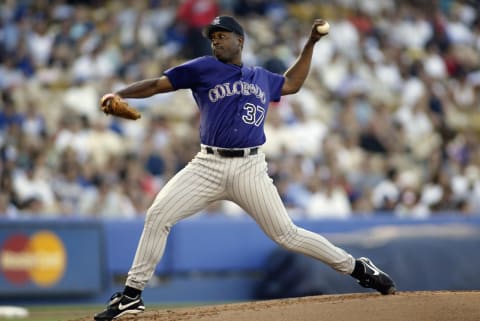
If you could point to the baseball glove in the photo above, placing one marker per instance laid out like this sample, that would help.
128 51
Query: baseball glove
112 104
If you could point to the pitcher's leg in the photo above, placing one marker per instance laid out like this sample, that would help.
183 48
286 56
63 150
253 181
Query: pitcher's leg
185 194
259 197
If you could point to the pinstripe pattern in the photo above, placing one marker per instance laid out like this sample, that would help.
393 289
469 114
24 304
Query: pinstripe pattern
243 180
257 195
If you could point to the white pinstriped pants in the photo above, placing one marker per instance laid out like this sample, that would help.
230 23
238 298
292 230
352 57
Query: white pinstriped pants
243 180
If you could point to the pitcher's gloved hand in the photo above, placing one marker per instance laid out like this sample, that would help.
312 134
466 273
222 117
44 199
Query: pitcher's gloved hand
112 104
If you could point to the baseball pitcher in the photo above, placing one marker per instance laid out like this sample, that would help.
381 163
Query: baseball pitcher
233 100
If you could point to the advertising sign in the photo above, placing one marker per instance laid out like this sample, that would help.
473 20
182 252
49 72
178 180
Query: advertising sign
45 257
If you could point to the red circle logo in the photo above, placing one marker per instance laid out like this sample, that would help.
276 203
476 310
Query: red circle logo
13 250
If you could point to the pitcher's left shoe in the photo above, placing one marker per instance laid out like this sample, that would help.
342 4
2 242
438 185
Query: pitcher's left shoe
119 305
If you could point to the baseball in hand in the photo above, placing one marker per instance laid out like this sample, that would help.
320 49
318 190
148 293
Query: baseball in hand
323 29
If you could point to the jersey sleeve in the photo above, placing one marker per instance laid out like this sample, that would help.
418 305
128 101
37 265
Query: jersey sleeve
276 84
185 75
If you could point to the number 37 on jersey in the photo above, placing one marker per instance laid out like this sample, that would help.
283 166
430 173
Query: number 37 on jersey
253 115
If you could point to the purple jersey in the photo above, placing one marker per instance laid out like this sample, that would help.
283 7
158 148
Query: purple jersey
233 100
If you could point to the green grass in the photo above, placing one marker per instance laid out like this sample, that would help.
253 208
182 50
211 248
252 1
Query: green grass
58 313
63 312
78 311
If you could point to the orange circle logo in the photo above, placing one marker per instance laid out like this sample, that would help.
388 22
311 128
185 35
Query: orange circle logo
40 258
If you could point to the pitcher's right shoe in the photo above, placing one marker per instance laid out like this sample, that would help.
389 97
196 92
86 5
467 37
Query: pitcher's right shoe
119 305
373 277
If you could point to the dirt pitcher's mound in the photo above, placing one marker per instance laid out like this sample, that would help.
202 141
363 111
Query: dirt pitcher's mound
404 306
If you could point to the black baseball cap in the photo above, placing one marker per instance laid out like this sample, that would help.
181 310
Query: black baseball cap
223 23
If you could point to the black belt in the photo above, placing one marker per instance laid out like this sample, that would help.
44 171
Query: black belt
232 152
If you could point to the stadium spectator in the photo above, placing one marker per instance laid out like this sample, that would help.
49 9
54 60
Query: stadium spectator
329 198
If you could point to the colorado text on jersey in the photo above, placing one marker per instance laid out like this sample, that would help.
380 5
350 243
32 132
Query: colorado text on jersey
237 88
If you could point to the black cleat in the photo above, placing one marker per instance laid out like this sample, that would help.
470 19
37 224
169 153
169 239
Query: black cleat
119 305
375 278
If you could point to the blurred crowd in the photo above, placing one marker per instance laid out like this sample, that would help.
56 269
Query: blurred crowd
388 122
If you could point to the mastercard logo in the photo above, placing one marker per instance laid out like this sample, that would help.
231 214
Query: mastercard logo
40 258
